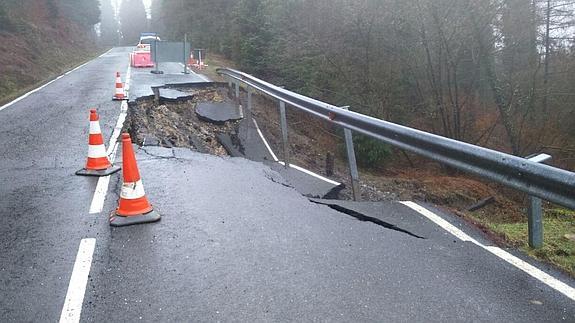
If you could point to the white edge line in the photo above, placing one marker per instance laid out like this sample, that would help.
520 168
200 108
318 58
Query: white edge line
78 281
202 76
301 169
106 53
41 87
309 172
97 204
518 263
265 141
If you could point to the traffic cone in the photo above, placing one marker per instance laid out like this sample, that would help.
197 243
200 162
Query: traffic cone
133 207
97 163
120 95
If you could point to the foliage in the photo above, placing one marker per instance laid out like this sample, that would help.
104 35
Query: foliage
472 70
133 21
5 21
109 26
369 152
84 12
557 248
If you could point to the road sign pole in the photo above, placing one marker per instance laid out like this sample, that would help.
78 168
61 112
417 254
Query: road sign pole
185 47
354 174
285 142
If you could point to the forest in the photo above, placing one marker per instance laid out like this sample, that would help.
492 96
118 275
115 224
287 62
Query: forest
496 73
42 39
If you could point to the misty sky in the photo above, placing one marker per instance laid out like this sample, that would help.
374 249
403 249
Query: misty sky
147 3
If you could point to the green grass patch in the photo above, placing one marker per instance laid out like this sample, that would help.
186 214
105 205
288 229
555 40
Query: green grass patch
557 249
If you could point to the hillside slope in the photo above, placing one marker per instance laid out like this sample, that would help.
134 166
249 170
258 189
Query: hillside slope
40 39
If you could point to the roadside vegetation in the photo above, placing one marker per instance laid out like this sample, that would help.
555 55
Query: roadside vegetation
42 39
559 238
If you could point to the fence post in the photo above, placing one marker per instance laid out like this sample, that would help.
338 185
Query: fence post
535 212
352 162
285 142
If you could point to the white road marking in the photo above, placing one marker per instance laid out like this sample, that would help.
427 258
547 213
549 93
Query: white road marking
265 141
309 172
518 263
301 169
97 205
197 74
45 85
77 286
40 88
106 53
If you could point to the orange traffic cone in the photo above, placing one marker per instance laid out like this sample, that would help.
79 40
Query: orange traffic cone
97 163
133 207
120 95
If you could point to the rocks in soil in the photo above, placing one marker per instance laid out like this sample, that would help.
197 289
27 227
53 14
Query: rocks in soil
176 124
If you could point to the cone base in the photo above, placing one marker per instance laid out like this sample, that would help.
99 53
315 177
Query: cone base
122 221
125 98
98 173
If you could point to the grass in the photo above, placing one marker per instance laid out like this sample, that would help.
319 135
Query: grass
557 248
13 86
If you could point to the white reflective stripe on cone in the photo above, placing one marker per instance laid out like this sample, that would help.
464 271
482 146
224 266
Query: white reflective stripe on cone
132 191
96 151
95 128
119 90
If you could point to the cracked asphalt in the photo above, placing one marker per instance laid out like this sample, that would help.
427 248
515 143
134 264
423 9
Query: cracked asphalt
236 241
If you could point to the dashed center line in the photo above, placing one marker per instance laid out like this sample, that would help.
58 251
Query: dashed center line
97 205
78 281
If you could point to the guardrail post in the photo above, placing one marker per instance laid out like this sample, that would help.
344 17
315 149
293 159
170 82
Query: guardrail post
352 162
237 89
535 222
535 211
285 142
249 90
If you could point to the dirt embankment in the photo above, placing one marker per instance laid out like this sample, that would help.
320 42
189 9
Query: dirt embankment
36 46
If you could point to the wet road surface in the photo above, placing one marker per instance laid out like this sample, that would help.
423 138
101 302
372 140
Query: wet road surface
236 241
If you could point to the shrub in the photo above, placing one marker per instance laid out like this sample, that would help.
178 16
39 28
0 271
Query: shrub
370 152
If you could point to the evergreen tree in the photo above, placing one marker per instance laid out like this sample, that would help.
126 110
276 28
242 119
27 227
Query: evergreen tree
109 24
133 21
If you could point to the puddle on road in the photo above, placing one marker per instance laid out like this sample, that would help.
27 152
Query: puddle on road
173 122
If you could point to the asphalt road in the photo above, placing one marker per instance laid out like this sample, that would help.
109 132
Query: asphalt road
236 242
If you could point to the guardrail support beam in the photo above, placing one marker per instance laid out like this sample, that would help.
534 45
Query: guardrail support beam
285 142
535 211
546 182
354 174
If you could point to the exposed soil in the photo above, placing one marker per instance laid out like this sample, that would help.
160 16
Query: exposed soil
175 124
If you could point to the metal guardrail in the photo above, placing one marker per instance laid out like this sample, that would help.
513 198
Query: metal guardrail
543 181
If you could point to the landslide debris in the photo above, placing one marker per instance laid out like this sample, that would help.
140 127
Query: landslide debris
176 124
